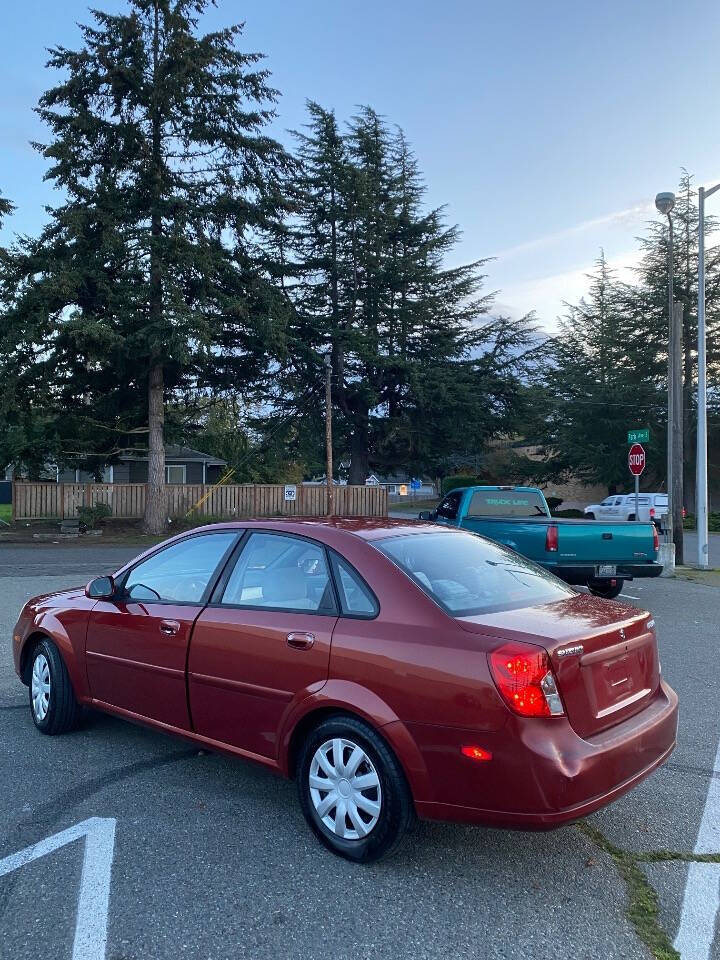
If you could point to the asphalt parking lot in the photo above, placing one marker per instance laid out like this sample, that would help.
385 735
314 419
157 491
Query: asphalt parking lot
211 857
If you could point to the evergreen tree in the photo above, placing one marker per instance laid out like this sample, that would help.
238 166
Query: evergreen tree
416 364
596 387
648 302
152 278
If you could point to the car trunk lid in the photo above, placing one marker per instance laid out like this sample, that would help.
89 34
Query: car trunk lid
604 655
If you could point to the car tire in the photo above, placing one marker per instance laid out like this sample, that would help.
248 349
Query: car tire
362 831
605 588
589 516
53 705
631 517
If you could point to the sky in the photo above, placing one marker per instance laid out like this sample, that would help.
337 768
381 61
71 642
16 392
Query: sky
546 129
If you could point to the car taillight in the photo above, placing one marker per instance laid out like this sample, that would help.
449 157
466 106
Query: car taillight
652 511
551 539
523 676
656 539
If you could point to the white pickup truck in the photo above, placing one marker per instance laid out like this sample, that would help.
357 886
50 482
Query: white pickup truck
651 506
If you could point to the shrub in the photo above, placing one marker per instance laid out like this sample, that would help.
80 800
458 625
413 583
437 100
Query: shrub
89 517
460 480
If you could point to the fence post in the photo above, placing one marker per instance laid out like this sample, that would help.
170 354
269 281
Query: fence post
13 512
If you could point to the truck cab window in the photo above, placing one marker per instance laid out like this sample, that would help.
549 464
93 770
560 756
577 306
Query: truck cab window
449 507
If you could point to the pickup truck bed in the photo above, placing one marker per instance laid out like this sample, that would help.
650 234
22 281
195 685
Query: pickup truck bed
600 554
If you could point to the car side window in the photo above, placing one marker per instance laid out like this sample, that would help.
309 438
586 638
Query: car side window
607 502
180 572
449 507
618 501
278 572
356 598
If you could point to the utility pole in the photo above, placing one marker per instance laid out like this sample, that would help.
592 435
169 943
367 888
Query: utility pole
328 436
676 498
701 498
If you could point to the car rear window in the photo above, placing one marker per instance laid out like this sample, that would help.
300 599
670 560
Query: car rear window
467 574
506 503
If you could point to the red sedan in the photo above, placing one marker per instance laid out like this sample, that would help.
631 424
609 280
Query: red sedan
392 668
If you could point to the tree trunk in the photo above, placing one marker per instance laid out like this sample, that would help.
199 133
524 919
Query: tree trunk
155 505
359 455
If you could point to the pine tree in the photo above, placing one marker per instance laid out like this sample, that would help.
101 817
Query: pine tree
416 363
597 386
152 278
648 302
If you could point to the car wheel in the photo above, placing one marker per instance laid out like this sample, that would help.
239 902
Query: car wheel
631 516
352 790
608 589
590 516
53 705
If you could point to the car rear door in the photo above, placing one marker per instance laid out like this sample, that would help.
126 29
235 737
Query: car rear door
263 642
136 647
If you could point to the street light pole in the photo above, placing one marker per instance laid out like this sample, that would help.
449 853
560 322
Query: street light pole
328 436
664 203
701 497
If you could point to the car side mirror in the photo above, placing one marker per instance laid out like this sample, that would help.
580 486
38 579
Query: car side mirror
101 588
427 515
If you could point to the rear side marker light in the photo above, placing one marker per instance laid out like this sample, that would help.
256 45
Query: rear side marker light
525 680
656 539
551 539
476 753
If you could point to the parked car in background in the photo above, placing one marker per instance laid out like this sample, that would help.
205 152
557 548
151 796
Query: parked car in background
390 667
650 507
599 556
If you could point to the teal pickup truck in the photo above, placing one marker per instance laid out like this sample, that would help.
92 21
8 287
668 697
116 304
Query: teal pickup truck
601 555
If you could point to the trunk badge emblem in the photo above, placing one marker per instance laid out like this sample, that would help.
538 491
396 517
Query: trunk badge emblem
571 651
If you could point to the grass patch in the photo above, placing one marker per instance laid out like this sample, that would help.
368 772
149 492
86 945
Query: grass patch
642 908
6 512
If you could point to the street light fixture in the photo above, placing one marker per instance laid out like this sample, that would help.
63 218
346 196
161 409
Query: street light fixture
664 202
701 497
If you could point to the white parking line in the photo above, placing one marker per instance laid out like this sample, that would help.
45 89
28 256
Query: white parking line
92 912
629 596
702 892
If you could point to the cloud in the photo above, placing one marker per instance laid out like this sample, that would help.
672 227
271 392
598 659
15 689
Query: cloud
630 216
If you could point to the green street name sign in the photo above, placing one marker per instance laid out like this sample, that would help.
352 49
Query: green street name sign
638 436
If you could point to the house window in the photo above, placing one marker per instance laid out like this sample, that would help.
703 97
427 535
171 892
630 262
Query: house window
107 475
392 488
175 473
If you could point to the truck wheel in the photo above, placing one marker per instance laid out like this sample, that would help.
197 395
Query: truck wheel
590 516
607 589
631 516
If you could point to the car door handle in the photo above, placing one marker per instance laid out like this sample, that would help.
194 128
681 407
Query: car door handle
170 627
301 641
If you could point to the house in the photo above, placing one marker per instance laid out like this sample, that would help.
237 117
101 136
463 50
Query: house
182 465
402 485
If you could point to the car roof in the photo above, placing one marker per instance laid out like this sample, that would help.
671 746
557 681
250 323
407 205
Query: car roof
334 529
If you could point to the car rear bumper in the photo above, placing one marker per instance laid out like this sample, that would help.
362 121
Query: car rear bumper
581 573
542 774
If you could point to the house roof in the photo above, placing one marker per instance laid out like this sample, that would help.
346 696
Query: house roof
174 452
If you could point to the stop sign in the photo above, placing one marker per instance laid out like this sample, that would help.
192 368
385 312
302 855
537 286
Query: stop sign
636 459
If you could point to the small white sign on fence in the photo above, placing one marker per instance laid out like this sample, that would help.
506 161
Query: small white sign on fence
290 492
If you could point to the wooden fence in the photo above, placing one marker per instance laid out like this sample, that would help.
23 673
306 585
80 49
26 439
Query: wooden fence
34 501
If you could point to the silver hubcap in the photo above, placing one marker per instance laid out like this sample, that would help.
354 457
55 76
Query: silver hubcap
40 688
345 789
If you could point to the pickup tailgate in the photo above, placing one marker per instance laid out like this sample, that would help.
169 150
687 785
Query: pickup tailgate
615 674
598 542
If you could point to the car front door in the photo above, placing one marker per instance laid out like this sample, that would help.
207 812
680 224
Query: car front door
136 648
263 642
